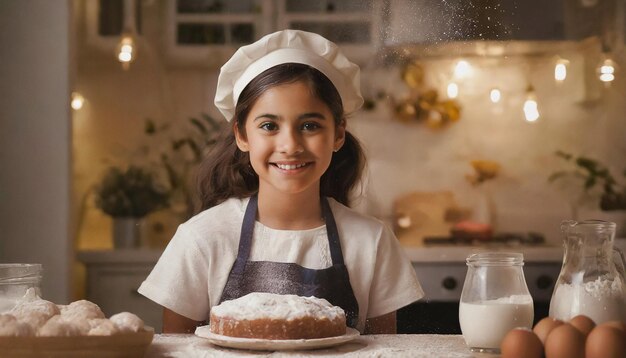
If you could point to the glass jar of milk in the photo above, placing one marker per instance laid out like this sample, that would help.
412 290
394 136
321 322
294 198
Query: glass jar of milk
495 299
15 281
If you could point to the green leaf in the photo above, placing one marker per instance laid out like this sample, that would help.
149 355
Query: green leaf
199 125
149 127
211 121
563 155
556 175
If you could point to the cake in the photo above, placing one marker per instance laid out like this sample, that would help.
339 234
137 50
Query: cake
271 316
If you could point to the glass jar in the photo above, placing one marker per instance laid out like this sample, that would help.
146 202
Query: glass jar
494 300
15 281
592 281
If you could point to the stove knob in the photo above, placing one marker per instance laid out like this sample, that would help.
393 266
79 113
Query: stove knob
449 283
544 282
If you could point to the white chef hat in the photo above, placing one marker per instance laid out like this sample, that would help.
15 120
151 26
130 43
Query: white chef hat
287 46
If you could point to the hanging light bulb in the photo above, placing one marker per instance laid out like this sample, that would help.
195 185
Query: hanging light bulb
462 69
453 90
606 69
560 69
77 101
127 48
495 95
531 110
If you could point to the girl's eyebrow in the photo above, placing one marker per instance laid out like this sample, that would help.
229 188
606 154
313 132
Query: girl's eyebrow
266 115
303 116
311 115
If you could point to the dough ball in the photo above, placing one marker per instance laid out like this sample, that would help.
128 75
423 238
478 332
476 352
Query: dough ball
46 307
34 319
102 327
82 309
10 326
57 326
127 322
62 308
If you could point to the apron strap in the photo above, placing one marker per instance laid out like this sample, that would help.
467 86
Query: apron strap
245 239
332 233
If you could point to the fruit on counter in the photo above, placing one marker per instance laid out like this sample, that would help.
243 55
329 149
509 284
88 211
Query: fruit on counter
521 343
468 229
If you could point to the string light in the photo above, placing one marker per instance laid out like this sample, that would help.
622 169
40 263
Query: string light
531 109
453 90
606 70
495 95
77 101
462 69
126 49
560 69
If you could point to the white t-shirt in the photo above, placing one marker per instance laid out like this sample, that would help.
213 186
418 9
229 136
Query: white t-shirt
192 271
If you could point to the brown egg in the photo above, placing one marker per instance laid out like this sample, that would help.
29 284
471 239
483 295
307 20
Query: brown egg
582 323
605 341
565 341
521 343
543 327
616 324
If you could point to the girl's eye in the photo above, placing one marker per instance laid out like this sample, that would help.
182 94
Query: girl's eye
310 126
268 126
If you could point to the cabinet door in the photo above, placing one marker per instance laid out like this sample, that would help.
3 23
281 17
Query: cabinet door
208 32
114 289
352 24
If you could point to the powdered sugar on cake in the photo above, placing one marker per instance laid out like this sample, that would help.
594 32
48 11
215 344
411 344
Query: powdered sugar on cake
267 305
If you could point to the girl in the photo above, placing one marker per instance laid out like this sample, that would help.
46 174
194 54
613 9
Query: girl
275 194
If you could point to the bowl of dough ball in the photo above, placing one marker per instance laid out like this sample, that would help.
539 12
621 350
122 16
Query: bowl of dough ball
39 327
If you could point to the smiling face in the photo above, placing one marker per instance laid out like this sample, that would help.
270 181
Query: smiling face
290 135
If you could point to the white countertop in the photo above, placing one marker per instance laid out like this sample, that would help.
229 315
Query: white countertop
384 345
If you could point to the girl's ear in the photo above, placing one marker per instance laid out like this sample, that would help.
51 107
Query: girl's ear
340 135
240 138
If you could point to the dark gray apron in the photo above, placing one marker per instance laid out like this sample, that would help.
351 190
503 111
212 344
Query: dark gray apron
332 283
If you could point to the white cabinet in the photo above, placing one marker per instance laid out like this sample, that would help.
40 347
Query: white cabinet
207 33
113 278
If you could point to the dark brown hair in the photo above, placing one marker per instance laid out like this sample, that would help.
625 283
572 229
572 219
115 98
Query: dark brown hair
226 171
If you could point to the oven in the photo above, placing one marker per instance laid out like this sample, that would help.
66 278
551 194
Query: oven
442 277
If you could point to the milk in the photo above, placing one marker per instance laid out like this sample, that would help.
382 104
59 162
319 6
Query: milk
484 324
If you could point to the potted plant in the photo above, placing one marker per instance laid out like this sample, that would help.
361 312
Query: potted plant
594 175
599 186
180 153
128 195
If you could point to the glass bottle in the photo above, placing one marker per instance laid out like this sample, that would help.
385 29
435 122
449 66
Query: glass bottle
591 282
15 281
494 300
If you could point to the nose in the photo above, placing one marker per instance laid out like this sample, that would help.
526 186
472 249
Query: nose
290 142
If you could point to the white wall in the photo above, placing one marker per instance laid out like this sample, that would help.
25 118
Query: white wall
35 139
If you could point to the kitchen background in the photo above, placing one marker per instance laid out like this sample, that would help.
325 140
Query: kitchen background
445 127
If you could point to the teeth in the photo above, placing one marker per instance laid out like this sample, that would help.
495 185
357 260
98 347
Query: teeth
290 167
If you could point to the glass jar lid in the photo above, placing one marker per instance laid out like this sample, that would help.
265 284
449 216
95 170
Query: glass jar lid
496 259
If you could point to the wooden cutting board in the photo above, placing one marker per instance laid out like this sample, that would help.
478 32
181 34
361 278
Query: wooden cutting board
124 345
425 214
